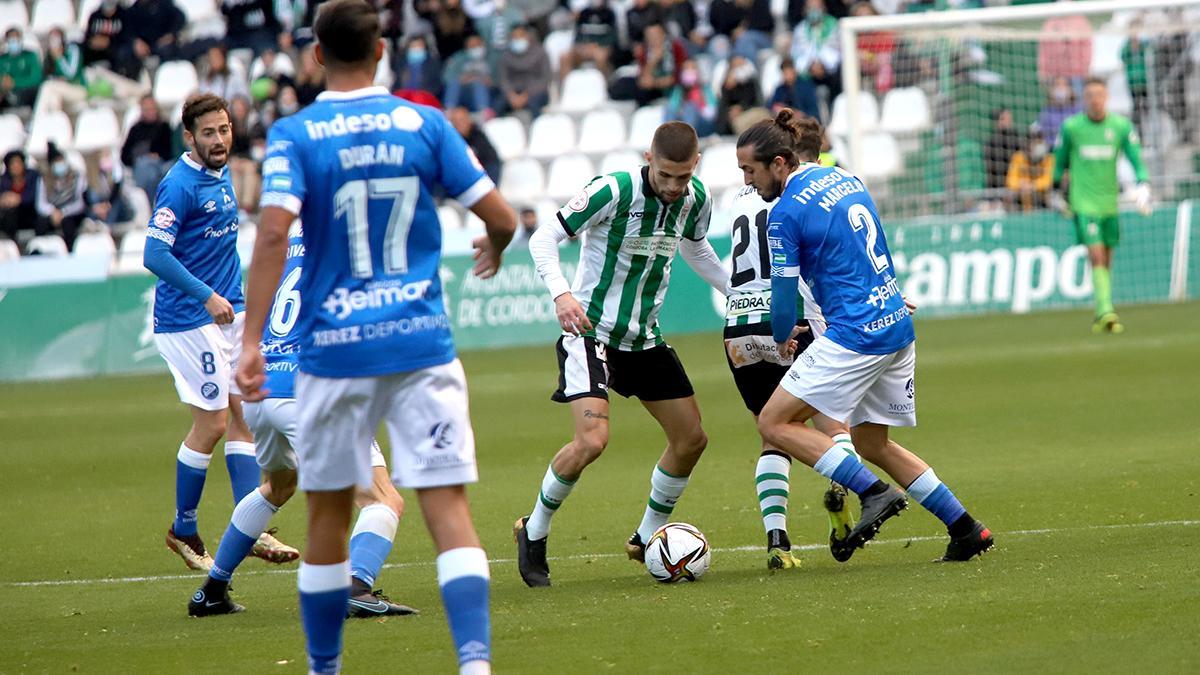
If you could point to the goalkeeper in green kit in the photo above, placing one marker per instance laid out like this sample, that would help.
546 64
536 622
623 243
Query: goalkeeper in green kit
1088 146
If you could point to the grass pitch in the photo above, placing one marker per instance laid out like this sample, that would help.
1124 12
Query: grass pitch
1079 451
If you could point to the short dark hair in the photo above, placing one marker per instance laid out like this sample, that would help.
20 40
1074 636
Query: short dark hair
347 30
1095 80
791 135
10 156
675 141
198 105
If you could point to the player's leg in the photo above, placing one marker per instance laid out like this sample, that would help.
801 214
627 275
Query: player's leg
380 508
191 471
583 384
837 507
244 474
324 577
1110 232
1089 231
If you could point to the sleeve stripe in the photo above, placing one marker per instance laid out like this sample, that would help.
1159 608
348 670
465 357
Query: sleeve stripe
287 202
793 271
471 196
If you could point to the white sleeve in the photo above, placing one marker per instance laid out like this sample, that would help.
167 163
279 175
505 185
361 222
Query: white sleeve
543 246
700 256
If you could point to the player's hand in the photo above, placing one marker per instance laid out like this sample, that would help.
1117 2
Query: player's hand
912 306
787 350
250 373
219 309
1143 199
570 315
487 258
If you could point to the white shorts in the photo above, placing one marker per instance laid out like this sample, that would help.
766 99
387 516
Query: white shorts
427 421
856 388
274 423
204 361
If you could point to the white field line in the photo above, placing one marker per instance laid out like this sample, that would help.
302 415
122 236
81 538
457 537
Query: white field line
590 556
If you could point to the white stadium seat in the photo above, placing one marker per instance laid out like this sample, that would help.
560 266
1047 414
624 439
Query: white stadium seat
49 14
868 114
449 217
203 18
642 126
51 125
48 245
771 75
97 129
602 131
94 244
13 13
247 234
507 135
12 133
139 203
622 160
9 250
174 82
557 44
719 167
717 77
551 135
582 90
129 255
905 110
522 180
1106 52
1120 100
86 7
568 174
881 157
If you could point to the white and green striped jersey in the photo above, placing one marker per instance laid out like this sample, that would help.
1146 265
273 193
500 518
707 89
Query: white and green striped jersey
749 300
629 241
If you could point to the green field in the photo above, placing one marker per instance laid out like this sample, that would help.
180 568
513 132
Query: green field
1079 451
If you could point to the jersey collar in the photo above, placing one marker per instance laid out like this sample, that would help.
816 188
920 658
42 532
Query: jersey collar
187 159
357 93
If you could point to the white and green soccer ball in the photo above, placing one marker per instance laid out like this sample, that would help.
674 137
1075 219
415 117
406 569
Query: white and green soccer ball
677 552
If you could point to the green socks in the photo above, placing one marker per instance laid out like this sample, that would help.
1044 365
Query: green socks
1102 289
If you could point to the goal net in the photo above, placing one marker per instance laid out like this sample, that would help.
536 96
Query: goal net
952 119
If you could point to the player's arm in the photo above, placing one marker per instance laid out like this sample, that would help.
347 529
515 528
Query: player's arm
159 254
1132 148
500 221
592 206
698 253
785 268
283 194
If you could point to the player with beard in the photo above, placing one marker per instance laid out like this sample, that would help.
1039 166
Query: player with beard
191 245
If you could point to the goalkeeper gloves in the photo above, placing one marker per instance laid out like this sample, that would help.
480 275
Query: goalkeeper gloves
1141 197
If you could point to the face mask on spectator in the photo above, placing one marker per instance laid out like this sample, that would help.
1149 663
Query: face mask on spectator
416 56
287 108
59 169
1061 95
743 73
519 46
13 45
689 78
56 43
475 52
1037 152
106 164
814 15
109 4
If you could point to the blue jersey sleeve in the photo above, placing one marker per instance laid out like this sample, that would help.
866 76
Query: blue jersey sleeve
782 238
461 173
170 205
283 177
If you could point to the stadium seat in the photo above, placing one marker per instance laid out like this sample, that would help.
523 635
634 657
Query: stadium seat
722 211
174 82
602 131
642 125
558 44
86 7
507 135
139 203
547 211
622 160
1120 100
203 18
246 235
12 133
13 13
868 114
568 174
523 180
881 157
719 167
97 129
47 245
129 254
9 250
449 217
717 77
551 135
1106 52
771 74
905 110
49 14
94 244
51 125
582 90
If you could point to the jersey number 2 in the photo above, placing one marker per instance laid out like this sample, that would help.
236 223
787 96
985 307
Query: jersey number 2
351 201
860 217
741 236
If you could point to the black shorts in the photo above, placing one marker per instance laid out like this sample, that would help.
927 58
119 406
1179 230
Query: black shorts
587 368
756 378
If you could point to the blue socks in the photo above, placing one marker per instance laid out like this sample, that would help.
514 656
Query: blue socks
463 577
244 474
249 520
844 468
371 541
324 594
191 468
936 497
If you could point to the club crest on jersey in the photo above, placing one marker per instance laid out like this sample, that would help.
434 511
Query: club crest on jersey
164 218
578 203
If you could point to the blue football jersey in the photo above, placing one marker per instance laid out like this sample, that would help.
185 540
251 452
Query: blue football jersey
280 343
360 168
196 214
825 223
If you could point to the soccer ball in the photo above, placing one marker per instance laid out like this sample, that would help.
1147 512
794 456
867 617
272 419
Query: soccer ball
677 552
